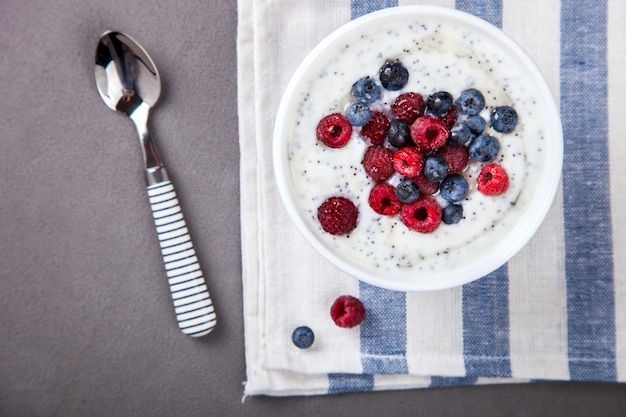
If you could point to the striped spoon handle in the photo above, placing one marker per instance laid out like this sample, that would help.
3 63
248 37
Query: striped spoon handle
192 301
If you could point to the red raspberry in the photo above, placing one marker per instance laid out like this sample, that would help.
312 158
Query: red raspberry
429 133
450 118
423 215
426 187
493 180
337 215
456 156
408 107
383 199
408 161
334 130
378 163
347 311
376 129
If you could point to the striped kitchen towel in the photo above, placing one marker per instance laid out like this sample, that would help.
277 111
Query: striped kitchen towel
555 311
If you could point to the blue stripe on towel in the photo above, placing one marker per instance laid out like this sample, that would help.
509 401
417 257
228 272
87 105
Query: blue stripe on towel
383 333
489 10
486 325
486 301
586 200
452 381
360 7
341 383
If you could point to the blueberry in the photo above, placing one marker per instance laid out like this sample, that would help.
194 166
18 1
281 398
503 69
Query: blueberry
470 101
399 133
435 168
504 119
365 90
394 75
303 337
358 114
476 124
452 213
453 188
484 148
460 135
439 103
407 191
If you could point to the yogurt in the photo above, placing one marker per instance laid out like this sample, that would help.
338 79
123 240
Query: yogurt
439 56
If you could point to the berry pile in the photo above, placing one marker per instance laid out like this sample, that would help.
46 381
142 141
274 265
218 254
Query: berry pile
423 145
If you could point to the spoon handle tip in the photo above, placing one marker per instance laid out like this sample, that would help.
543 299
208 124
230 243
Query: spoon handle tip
192 302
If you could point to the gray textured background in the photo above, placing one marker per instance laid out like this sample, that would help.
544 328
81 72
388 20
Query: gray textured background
86 324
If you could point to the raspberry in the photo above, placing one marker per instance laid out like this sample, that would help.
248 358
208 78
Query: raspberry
408 107
426 187
451 117
429 133
337 215
408 161
334 130
347 311
383 199
376 129
378 163
423 215
493 180
455 156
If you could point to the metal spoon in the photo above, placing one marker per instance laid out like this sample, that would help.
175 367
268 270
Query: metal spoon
129 83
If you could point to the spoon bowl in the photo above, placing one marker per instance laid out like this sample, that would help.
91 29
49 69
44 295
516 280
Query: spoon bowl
125 73
129 83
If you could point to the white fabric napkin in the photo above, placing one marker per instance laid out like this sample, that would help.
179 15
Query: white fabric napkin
556 311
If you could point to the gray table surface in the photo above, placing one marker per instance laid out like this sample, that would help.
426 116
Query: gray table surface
86 324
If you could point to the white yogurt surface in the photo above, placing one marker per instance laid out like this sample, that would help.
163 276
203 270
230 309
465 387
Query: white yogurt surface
439 56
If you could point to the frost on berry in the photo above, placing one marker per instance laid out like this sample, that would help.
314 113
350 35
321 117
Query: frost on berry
337 215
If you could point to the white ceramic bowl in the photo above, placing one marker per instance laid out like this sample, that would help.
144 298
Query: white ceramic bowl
444 49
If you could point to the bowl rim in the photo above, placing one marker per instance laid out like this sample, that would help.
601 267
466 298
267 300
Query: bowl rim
516 238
